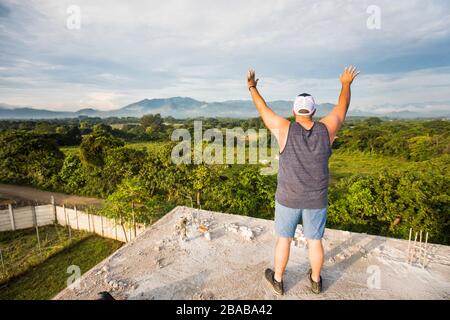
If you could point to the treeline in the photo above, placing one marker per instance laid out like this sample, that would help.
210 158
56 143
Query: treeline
412 140
390 202
69 132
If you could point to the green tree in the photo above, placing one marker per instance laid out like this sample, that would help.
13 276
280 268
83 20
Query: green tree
390 203
202 178
373 121
101 128
248 193
44 128
72 178
152 123
27 158
121 163
94 147
131 203
421 148
162 177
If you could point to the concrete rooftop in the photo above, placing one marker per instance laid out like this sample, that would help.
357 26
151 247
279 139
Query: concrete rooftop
158 264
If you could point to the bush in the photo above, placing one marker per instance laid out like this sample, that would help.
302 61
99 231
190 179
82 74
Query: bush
72 178
162 177
392 203
249 193
93 147
121 163
27 158
132 202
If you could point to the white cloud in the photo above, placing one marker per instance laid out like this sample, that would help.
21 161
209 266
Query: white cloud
144 49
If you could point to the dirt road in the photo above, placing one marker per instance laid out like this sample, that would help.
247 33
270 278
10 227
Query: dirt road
28 194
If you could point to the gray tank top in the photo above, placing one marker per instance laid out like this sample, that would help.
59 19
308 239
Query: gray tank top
303 168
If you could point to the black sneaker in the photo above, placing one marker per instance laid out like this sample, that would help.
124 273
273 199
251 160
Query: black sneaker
277 287
316 287
104 295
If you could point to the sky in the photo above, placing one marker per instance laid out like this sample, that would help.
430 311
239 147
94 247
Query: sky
68 55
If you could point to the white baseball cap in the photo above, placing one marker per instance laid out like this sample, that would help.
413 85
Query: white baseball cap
304 105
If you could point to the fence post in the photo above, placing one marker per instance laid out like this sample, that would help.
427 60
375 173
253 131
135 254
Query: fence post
33 215
54 209
101 221
11 217
33 212
65 214
93 222
89 220
3 263
67 221
133 220
123 230
134 225
115 227
76 215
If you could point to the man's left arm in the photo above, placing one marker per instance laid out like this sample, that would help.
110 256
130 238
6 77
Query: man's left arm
334 120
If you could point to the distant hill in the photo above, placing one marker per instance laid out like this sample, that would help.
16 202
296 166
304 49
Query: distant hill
9 112
185 107
89 112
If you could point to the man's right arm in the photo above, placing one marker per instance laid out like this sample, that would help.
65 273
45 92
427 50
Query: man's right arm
334 120
277 125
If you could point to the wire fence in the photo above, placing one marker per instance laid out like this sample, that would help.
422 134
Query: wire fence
12 219
30 234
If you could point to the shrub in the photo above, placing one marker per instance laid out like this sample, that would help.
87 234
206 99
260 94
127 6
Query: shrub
27 158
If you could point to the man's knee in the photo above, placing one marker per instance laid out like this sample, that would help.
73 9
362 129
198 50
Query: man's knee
283 240
283 243
315 246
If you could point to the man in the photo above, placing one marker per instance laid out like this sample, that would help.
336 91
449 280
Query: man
305 147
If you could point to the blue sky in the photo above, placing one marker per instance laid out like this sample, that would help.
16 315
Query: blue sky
126 51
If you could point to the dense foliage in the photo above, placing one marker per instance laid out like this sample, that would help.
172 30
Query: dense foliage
29 159
141 184
412 140
390 203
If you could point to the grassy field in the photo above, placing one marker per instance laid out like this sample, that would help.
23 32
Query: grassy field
34 274
21 252
146 145
344 164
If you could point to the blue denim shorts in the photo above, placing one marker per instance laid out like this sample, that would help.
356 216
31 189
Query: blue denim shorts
287 219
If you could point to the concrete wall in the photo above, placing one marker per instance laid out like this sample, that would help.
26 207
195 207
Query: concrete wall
5 222
24 218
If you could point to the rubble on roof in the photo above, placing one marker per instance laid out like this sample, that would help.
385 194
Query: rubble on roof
223 256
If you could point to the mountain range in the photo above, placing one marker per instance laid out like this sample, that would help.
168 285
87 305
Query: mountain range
185 107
